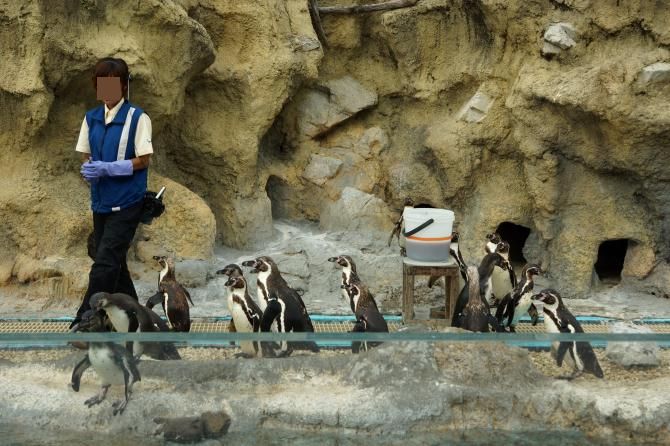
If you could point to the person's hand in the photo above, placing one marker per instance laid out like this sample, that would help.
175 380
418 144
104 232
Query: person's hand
92 171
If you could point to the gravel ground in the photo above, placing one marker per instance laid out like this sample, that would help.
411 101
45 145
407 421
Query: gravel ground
541 359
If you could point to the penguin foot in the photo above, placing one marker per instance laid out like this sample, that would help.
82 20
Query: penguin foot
576 374
98 398
119 407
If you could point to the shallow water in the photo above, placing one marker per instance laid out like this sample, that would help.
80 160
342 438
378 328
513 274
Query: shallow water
19 435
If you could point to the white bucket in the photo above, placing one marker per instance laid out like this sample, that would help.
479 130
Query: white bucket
431 243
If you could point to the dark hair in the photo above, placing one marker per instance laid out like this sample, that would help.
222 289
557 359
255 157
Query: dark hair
111 67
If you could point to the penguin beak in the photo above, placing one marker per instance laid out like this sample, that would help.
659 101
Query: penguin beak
332 259
221 271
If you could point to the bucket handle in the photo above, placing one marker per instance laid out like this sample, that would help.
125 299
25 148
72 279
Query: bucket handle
423 225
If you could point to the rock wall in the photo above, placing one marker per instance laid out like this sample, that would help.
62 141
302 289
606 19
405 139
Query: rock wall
547 114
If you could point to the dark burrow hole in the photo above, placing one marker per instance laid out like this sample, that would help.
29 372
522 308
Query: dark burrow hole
516 236
611 255
278 193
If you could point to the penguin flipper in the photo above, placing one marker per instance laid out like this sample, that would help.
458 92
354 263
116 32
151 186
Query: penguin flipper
461 302
272 311
495 325
502 307
512 276
188 296
79 370
154 300
534 316
588 356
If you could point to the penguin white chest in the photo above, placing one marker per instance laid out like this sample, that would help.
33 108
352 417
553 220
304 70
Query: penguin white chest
107 369
500 283
262 297
522 307
240 317
229 300
119 318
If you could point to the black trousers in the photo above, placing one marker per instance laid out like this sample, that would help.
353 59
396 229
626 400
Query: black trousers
113 234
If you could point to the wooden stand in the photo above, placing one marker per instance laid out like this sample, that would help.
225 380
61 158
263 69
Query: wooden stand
411 268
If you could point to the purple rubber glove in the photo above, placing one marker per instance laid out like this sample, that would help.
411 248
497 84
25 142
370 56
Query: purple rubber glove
93 170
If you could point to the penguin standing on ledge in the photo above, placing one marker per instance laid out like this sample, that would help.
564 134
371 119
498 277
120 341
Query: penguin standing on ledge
519 302
172 295
245 313
557 319
283 307
349 276
503 280
368 317
230 271
112 363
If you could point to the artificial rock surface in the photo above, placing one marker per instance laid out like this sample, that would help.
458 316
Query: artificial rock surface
573 146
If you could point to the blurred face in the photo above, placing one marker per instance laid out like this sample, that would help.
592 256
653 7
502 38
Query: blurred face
109 90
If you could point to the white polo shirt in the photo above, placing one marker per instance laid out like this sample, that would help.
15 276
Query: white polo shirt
142 135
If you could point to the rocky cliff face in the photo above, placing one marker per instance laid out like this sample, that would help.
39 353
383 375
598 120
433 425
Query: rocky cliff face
551 115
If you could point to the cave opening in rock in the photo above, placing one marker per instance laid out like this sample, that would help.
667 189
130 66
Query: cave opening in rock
278 190
516 236
611 255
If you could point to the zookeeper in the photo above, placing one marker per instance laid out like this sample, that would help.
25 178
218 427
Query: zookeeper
115 144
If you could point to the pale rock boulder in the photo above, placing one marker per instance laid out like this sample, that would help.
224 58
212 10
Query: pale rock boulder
557 37
476 108
628 354
186 229
321 168
356 211
332 102
655 73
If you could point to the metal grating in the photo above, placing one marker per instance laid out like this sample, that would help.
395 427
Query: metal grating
220 326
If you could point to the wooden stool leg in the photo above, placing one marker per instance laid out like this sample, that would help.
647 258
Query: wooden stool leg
453 295
407 293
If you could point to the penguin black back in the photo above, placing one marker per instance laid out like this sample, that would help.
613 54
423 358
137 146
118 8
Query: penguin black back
476 313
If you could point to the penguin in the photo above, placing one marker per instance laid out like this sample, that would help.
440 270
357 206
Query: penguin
558 319
128 316
349 274
476 315
368 317
112 363
518 302
455 253
280 304
245 313
492 242
484 272
172 295
398 227
231 270
503 279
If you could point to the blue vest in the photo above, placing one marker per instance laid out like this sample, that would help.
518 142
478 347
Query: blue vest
113 142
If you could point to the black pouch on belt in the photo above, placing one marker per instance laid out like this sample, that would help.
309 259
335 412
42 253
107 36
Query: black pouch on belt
153 206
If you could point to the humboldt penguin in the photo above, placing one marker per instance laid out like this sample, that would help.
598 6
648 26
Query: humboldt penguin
172 295
476 315
557 319
280 304
368 317
349 275
492 242
112 363
128 316
231 270
518 302
398 227
484 272
455 253
503 279
245 313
